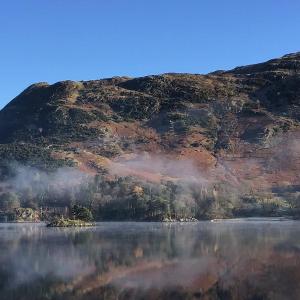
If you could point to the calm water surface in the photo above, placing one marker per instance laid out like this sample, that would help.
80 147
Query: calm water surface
224 260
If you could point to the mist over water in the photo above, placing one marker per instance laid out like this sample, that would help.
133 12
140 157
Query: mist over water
151 261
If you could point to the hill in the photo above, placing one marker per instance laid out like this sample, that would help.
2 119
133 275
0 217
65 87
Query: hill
229 132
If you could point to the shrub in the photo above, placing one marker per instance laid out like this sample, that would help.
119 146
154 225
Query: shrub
82 213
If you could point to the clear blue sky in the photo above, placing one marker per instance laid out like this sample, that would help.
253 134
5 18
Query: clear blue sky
52 40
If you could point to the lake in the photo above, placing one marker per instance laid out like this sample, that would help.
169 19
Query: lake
241 259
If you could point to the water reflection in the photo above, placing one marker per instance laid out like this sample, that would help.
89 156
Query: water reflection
226 260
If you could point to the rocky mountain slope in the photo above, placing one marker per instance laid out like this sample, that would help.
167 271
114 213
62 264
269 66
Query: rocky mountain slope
239 126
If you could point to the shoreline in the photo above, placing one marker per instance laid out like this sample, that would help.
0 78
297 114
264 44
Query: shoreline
219 220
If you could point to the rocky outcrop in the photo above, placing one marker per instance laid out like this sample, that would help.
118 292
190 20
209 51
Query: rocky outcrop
26 215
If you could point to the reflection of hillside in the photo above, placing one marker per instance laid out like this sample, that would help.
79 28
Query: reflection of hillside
153 261
208 279
211 279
